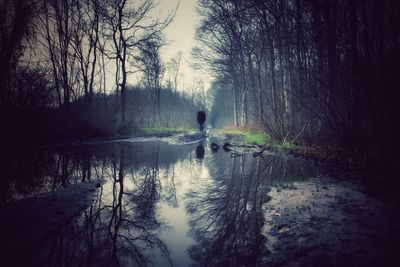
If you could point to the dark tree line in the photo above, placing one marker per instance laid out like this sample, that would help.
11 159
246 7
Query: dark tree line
65 62
178 112
316 71
15 19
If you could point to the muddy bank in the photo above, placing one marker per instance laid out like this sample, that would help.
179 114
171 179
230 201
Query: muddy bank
325 222
28 224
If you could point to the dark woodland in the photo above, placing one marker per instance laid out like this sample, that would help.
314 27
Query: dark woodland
320 72
100 138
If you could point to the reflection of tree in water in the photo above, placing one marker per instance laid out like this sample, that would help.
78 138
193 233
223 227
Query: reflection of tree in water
17 173
26 173
227 214
121 228
169 189
226 218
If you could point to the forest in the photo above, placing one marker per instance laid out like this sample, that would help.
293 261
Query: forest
199 132
309 72
65 67
314 71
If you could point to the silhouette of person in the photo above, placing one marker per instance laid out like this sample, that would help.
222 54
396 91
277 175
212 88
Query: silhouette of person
200 151
201 118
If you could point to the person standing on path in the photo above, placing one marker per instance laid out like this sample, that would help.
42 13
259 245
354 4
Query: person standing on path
201 118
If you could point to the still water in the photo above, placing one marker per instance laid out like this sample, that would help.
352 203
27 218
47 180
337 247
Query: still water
162 204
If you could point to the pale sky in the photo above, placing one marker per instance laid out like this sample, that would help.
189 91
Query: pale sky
181 35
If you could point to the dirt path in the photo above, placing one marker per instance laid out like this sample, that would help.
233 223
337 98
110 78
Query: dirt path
26 225
331 222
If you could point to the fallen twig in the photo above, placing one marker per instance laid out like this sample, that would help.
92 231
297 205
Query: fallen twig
256 154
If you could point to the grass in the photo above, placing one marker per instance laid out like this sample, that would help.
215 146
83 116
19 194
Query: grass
248 137
284 145
256 137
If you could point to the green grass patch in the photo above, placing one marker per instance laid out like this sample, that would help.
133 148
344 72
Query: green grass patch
248 137
255 137
284 145
258 138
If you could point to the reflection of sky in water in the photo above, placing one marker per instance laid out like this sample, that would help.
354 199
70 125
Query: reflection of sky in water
162 201
177 238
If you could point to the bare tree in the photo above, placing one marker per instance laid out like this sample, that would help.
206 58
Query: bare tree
59 29
175 65
313 69
153 70
86 42
128 25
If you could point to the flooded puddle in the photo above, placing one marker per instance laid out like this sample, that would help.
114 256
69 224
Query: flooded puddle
185 205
